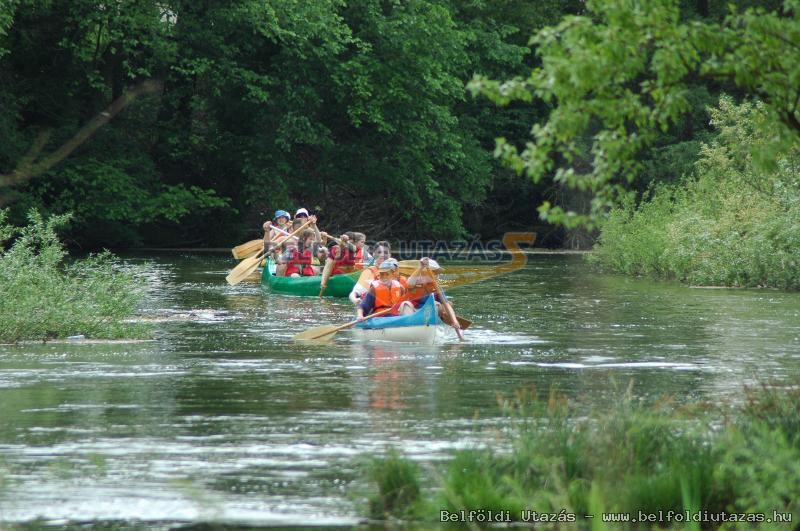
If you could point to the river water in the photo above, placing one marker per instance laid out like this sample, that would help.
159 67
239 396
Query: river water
222 419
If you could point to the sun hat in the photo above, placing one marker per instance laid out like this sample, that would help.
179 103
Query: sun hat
386 266
281 214
301 211
433 264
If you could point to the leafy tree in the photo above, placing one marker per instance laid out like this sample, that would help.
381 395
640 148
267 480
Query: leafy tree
624 72
354 109
66 61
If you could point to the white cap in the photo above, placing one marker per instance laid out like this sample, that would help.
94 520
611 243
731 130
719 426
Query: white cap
432 264
301 211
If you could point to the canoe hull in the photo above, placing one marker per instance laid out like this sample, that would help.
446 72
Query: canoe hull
406 334
338 285
419 327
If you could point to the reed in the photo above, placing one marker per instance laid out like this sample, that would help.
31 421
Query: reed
559 460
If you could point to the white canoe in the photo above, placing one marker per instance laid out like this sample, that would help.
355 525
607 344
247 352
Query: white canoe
418 327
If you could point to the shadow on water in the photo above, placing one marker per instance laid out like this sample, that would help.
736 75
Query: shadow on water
224 419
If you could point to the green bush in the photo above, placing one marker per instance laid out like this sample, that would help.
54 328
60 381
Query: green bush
761 453
398 485
736 222
633 458
44 297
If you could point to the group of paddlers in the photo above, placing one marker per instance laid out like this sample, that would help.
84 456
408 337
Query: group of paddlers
380 287
307 254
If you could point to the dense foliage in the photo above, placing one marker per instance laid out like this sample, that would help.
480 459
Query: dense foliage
44 297
356 110
559 461
622 75
188 123
730 223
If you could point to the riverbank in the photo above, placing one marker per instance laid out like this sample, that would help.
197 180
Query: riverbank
734 222
690 466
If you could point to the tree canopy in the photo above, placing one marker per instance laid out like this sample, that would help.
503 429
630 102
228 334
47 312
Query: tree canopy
179 122
621 75
189 122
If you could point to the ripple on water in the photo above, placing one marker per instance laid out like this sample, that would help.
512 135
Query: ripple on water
223 419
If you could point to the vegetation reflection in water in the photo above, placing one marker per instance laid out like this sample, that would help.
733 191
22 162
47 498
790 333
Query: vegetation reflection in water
222 418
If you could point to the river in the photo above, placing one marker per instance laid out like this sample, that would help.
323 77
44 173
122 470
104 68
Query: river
222 419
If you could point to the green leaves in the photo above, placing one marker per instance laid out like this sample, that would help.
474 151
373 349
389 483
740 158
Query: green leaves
734 223
41 297
621 74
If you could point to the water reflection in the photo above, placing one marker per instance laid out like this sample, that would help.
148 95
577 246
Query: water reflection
224 418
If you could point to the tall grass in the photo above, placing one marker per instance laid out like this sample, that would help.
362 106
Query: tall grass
637 457
398 485
44 297
735 222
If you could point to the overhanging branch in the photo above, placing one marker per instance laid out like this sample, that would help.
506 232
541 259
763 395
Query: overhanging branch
28 167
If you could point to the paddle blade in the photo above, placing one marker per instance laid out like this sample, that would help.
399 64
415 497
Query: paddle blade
409 264
463 322
244 269
320 333
326 275
248 249
408 267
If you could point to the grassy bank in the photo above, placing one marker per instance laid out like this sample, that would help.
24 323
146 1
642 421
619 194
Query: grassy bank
635 459
44 296
734 222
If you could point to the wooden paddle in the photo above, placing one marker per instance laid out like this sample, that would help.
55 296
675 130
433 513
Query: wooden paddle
326 332
326 274
453 320
247 249
250 248
463 322
248 265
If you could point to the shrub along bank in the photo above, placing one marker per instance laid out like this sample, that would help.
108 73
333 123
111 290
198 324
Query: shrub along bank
42 296
560 461
735 222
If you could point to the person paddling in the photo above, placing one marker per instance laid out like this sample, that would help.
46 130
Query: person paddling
279 220
363 258
319 259
420 285
288 250
301 213
298 259
382 251
343 254
384 293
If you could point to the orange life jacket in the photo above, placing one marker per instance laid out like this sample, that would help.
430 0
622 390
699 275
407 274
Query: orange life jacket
385 296
419 290
416 292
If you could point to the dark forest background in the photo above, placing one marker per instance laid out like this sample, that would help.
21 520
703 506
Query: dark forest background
229 110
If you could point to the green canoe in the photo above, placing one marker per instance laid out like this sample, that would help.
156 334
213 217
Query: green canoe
338 285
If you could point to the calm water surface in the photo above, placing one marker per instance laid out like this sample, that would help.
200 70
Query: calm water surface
223 419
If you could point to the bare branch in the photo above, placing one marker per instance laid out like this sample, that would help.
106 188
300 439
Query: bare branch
28 168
